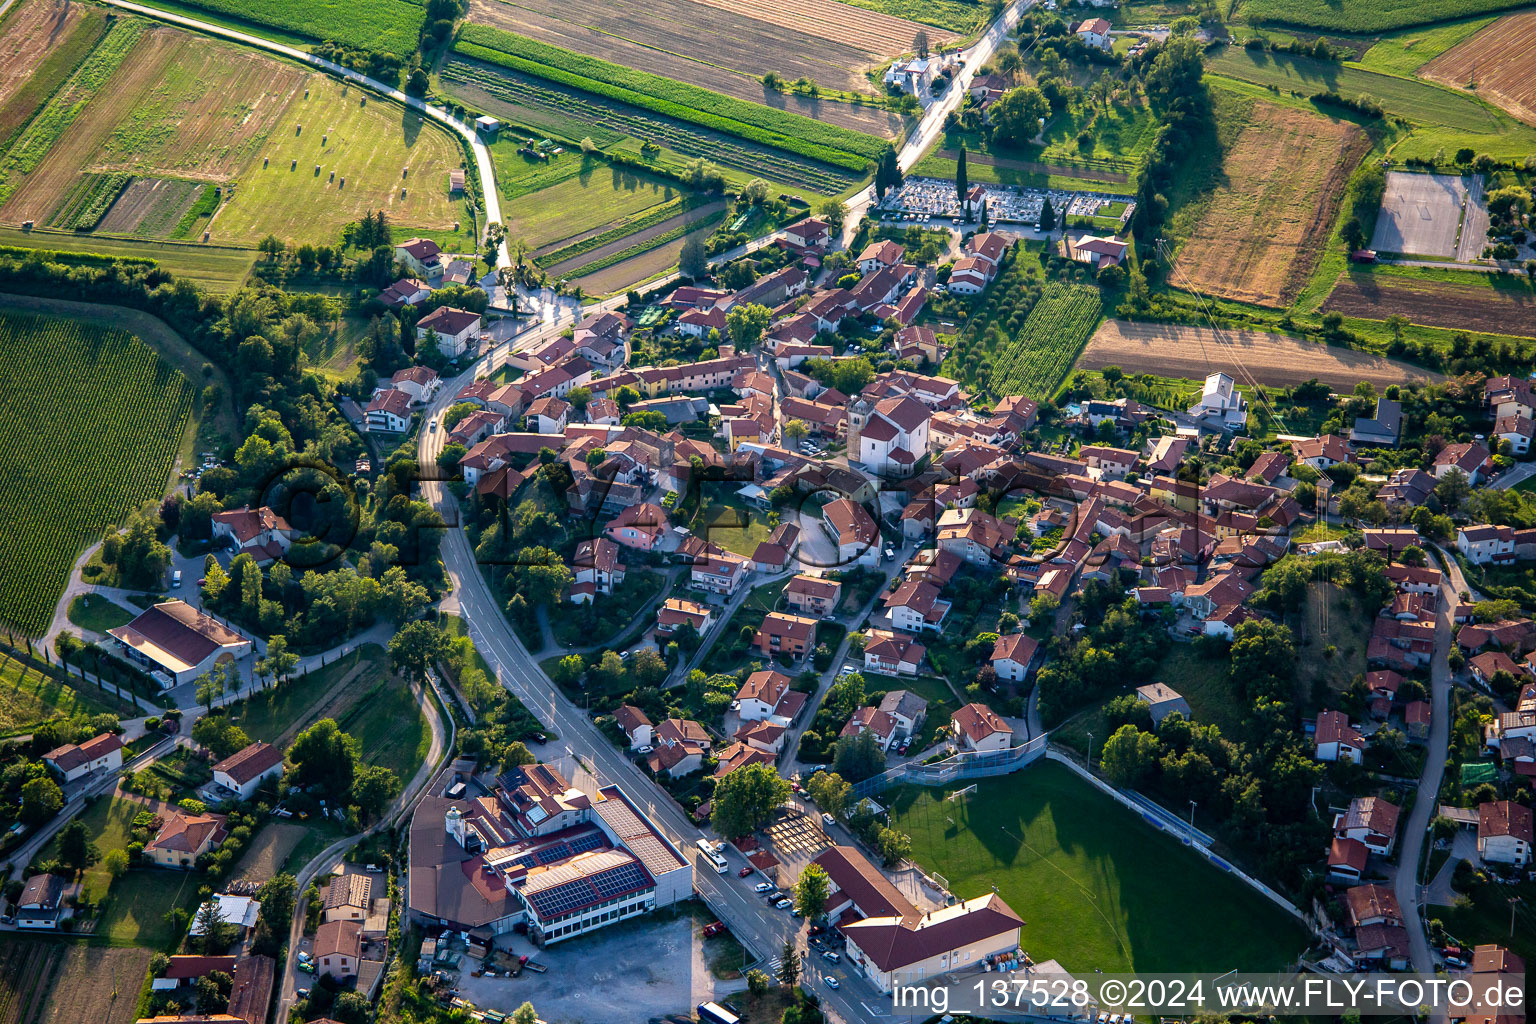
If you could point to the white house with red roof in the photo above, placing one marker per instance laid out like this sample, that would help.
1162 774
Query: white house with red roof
1094 32
1098 251
639 526
1336 739
389 410
1504 833
881 253
1012 655
893 654
456 329
418 382
549 415
422 255
72 760
260 532
408 291
809 234
1471 458
243 772
853 528
913 948
596 569
977 727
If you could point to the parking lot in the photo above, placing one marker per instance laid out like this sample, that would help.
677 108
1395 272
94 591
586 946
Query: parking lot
1420 214
623 974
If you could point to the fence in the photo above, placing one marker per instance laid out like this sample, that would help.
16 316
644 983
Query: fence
968 765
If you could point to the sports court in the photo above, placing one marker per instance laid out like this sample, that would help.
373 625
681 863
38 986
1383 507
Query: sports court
1420 214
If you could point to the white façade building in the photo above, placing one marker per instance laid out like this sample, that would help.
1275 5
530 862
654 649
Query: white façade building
908 950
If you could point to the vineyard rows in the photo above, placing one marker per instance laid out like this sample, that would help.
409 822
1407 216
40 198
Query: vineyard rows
90 427
1052 337
26 969
780 129
624 119
55 118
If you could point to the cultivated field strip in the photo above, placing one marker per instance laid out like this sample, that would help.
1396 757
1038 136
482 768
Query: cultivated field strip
621 119
1500 59
27 968
33 144
1038 358
1267 222
1466 307
1173 350
35 29
385 26
90 427
715 48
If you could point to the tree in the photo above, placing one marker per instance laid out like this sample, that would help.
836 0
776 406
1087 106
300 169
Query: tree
373 788
892 844
76 851
692 262
812 891
495 234
887 172
1017 115
212 928
962 177
795 430
1128 755
278 896
516 755
746 798
116 862
413 650
401 598
209 689
756 192
859 757
834 212
1453 489
351 1008
41 799
525 1014
325 757
758 982
280 660
789 963
569 669
747 322
648 667
830 791
1047 215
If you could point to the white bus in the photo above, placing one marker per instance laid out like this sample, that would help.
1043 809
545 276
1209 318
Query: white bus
712 853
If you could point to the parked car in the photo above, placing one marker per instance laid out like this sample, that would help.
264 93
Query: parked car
828 820
831 957
644 748
764 887
302 993
744 872
784 904
713 928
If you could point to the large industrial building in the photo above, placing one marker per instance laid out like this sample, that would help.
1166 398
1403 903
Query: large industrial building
533 853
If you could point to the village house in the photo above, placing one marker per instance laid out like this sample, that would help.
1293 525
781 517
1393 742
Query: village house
338 949
892 654
99 753
346 897
1162 700
812 595
41 903
675 612
421 256
636 725
1098 251
408 291
849 524
388 410
549 415
720 572
1220 400
455 329
907 710
785 635
261 533
1336 739
915 607
1012 655
1371 821
977 727
595 569
1094 32
1471 459
419 383
183 837
871 720
766 696
641 526
1486 544
243 772
1322 452
1504 833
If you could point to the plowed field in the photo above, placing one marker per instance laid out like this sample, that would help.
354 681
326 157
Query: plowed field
725 45
150 206
1173 350
1436 304
35 30
1266 224
1501 60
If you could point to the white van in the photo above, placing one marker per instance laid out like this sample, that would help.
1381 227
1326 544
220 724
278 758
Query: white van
176 578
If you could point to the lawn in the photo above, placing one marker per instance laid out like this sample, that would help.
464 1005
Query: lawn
596 196
29 697
283 709
1403 53
1488 918
89 611
386 26
135 906
1098 888
1366 15
118 439
1207 687
389 726
733 525
382 156
217 268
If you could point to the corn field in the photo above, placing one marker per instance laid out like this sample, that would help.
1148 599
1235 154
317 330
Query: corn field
89 426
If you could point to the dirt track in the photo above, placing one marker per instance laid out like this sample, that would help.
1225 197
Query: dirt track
1171 350
1436 304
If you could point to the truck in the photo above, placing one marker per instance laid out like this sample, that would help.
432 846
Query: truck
714 1013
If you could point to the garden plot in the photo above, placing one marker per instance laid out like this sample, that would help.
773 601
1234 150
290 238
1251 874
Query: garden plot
1420 214
151 206
726 46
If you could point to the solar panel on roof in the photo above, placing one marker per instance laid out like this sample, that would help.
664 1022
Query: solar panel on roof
590 841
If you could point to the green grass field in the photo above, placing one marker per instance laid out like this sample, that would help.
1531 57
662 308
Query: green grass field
962 16
29 697
389 726
89 429
1098 888
267 716
135 904
1366 15
384 26
593 198
368 143
1417 101
1404 52
93 612
217 268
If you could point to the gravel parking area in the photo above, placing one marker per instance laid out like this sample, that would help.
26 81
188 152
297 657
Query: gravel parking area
624 974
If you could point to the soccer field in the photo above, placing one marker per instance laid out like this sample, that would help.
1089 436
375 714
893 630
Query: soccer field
1097 887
